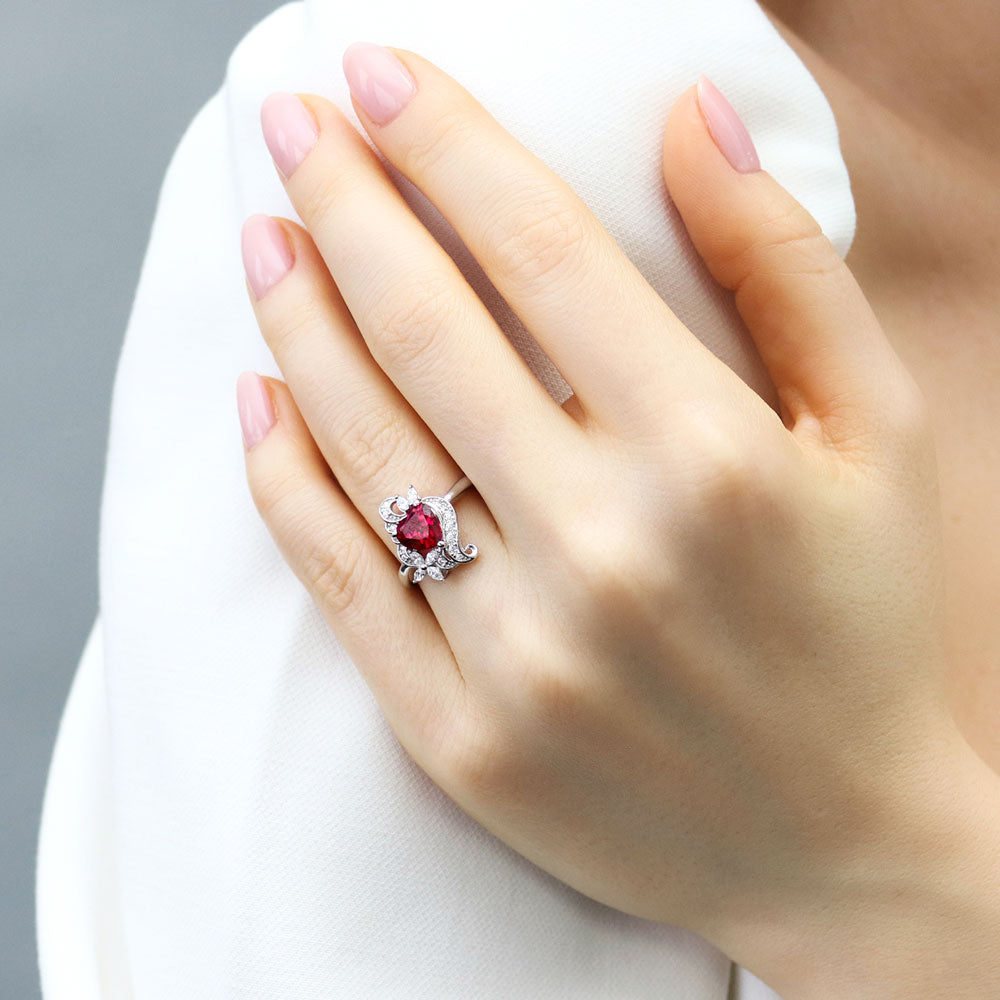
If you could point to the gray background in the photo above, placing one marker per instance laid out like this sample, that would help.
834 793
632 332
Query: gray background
93 99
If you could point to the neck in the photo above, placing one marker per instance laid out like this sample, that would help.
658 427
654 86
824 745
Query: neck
913 85
932 64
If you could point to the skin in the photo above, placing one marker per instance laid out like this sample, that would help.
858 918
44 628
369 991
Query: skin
747 730
915 88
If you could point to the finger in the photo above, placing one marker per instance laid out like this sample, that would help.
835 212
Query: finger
368 434
349 574
836 374
423 323
550 258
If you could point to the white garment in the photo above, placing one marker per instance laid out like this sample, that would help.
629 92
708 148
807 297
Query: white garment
228 814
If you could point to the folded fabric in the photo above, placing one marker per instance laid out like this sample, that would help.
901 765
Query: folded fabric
228 813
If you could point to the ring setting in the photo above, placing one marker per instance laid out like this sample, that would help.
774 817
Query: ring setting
425 530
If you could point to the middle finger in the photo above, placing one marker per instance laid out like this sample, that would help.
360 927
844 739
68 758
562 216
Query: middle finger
423 323
548 255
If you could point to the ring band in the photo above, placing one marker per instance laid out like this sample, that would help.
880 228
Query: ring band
426 533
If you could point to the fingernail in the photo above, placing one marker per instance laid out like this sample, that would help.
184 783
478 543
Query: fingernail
289 130
380 83
726 127
256 410
267 257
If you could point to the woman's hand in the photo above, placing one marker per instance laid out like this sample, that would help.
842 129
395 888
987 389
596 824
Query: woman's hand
696 671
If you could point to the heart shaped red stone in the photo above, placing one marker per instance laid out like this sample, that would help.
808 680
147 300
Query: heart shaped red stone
420 530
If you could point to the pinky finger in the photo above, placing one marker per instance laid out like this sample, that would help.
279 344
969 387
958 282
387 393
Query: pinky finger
349 573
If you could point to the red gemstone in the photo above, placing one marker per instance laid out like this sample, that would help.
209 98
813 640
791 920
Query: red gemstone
420 530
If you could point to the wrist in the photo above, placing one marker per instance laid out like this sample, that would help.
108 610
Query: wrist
915 916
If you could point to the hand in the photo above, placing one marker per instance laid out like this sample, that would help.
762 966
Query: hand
696 671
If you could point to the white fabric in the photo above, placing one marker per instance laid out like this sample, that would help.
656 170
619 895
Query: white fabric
228 814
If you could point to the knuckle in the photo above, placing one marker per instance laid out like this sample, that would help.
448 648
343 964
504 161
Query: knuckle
612 567
283 327
368 444
729 478
909 434
481 762
328 193
557 695
274 488
608 569
791 243
454 127
547 236
336 575
406 324
732 477
910 412
547 682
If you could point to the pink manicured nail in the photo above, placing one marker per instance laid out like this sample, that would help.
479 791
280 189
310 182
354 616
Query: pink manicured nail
289 131
256 410
726 127
380 83
267 256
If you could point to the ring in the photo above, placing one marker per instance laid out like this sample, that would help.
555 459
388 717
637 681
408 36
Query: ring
426 533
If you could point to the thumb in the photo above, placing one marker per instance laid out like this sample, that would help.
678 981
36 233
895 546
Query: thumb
836 374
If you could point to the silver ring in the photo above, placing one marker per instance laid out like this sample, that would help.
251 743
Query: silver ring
426 533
